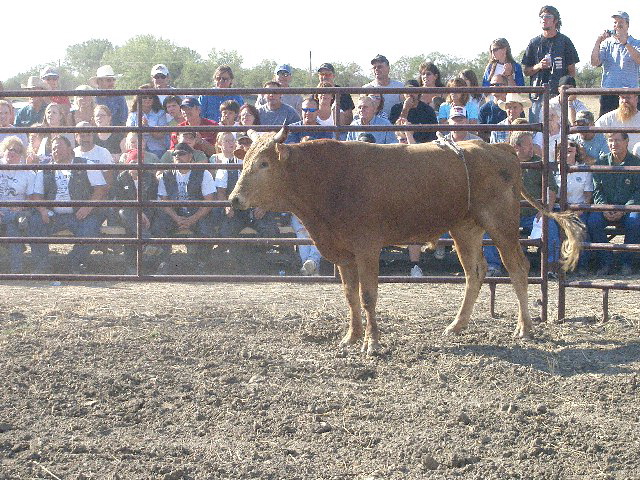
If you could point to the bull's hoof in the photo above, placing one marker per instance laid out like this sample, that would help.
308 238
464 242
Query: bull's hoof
371 347
453 329
520 332
351 338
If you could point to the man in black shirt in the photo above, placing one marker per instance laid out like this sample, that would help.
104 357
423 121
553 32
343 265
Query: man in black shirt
327 74
548 57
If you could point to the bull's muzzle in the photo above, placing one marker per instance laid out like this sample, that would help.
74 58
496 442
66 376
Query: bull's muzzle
236 202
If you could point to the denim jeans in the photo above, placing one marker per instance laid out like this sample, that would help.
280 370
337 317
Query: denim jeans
306 252
87 227
526 222
596 224
9 220
164 226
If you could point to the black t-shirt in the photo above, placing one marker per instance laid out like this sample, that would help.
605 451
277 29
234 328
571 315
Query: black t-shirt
563 54
423 114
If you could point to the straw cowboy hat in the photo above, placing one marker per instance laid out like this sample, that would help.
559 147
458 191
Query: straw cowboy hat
34 83
105 71
516 98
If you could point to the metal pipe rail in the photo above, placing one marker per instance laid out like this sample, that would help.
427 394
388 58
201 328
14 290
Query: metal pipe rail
605 286
139 204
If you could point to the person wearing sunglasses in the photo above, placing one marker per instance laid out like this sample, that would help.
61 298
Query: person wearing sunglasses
502 63
490 113
210 104
548 57
309 117
161 78
15 185
184 184
283 74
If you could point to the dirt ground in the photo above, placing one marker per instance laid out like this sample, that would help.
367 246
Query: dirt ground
236 381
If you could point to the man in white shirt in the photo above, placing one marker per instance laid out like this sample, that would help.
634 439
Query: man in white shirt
626 115
185 184
65 185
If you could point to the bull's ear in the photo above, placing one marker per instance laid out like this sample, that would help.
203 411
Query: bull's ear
281 136
283 151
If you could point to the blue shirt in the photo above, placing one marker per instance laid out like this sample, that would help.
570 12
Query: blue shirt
296 137
594 147
491 114
381 137
154 119
210 105
471 107
118 107
618 68
517 75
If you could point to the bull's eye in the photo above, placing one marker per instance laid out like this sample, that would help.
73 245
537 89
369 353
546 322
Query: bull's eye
264 164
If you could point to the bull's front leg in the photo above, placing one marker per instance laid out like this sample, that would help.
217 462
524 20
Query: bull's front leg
368 270
350 284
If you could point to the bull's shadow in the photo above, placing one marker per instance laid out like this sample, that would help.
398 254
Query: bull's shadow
565 362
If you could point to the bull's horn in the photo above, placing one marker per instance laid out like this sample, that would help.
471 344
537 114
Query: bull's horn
281 136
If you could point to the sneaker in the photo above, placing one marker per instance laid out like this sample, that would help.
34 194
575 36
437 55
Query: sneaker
309 268
440 252
416 271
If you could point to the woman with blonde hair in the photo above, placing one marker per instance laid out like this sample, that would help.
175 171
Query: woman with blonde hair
502 63
82 107
54 116
15 185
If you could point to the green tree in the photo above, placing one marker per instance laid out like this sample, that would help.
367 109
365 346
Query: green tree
83 59
135 58
588 77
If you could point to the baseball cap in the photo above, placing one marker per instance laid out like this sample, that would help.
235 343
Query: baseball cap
49 71
457 111
190 102
379 58
160 68
283 68
585 116
326 66
182 147
621 14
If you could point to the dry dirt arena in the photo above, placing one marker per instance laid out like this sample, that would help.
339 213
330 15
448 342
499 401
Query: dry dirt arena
237 381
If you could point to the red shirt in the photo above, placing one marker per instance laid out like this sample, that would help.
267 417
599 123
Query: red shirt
208 136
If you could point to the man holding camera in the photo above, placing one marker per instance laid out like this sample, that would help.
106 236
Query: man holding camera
618 54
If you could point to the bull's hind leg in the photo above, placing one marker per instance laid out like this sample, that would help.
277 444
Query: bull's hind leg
516 263
351 286
468 242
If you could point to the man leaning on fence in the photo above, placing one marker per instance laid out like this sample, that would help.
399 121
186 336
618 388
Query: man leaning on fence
621 188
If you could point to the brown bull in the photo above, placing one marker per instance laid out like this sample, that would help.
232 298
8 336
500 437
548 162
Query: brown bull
355 198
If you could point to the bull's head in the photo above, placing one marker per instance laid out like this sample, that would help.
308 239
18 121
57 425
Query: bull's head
262 181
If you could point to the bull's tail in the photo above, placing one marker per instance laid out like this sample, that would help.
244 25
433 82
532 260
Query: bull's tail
573 228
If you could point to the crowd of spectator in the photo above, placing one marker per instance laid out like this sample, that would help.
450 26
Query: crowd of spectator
550 58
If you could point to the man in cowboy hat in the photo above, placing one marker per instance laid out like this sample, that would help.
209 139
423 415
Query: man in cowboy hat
105 79
34 111
514 104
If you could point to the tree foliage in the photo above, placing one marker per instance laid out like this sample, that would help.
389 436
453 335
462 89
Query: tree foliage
135 58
